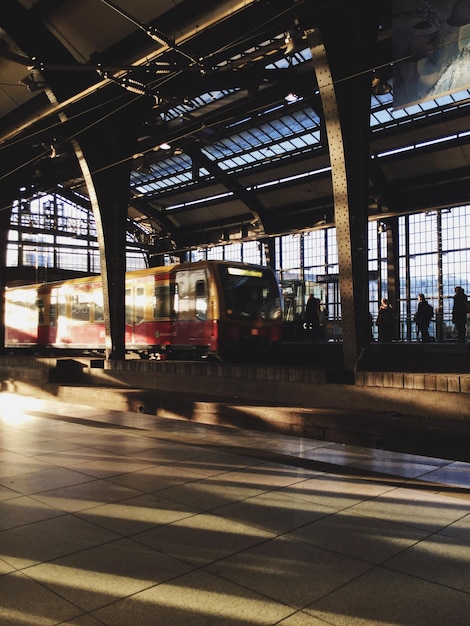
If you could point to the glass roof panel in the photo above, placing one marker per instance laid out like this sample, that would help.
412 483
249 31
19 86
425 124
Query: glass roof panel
382 111
273 133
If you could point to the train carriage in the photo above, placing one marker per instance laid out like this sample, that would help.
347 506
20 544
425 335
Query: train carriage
205 308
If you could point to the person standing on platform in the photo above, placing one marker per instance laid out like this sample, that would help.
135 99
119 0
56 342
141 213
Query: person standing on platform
312 316
386 321
459 313
422 317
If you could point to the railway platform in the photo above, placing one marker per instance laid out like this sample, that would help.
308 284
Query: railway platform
121 518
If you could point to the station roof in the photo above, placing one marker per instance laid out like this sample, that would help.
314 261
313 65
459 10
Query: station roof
233 143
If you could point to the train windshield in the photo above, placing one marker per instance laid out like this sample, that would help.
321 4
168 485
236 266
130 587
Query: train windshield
250 293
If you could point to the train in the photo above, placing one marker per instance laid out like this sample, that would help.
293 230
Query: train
197 309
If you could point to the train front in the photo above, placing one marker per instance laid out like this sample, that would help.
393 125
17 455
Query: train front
251 312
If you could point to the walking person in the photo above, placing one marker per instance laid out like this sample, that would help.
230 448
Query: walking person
422 317
459 313
386 321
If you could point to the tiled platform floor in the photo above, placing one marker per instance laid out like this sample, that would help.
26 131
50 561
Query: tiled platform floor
124 519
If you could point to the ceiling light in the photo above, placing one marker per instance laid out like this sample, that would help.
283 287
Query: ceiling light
291 97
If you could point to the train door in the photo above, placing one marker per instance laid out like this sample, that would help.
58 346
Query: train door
192 326
135 314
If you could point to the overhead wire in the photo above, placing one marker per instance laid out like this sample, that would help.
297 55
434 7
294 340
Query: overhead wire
58 107
61 106
152 32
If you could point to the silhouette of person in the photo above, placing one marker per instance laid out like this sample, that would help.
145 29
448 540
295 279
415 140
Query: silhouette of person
422 318
459 313
312 315
386 321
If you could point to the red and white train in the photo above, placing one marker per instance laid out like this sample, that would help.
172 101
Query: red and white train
204 308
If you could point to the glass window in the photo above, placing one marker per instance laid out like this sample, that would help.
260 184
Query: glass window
250 293
80 307
129 307
291 255
139 305
73 245
233 252
53 308
161 303
201 300
98 305
62 304
253 252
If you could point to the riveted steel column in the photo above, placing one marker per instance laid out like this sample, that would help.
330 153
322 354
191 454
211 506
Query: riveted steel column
340 193
105 156
108 199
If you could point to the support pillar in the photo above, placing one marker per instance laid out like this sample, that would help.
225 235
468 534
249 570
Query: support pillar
393 270
346 107
105 157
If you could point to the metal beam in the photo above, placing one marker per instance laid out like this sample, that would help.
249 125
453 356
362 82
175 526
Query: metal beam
231 183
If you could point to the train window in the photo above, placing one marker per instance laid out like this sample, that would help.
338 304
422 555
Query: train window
129 317
62 305
98 306
176 301
53 309
250 293
135 305
81 307
201 300
139 305
161 301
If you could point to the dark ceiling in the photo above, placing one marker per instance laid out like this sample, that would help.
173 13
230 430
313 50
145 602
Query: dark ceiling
210 80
